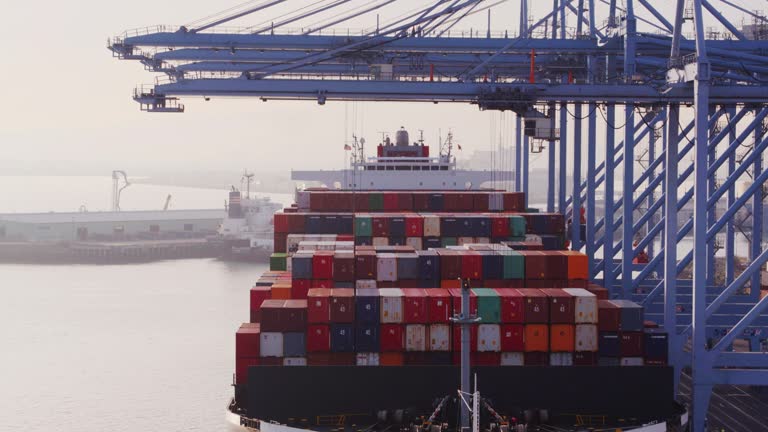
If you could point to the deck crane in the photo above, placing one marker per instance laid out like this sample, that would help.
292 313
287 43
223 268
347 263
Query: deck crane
582 74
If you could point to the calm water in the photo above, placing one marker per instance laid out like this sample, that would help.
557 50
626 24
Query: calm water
146 347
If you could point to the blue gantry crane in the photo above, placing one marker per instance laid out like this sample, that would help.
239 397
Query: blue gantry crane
690 86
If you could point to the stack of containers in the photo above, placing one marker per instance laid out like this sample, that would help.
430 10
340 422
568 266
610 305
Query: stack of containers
585 332
511 307
392 331
247 353
536 328
282 332
621 334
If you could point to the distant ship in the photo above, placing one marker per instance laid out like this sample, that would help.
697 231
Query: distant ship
247 230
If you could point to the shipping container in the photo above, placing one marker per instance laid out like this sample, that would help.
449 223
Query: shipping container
456 299
656 346
407 266
585 305
536 309
471 265
342 337
380 226
429 266
367 337
561 359
536 358
608 316
486 359
386 267
367 302
392 337
488 305
319 305
363 226
273 315
241 368
367 359
318 338
512 359
295 316
535 265
513 265
456 339
517 226
271 344
488 338
431 226
415 242
585 358
631 344
631 361
512 337
586 337
391 307
609 344
248 340
415 337
439 337
257 297
439 308
511 305
300 288
322 265
344 266
631 315
294 361
561 306
301 263
391 359
342 305
365 265
536 337
562 338
294 344
415 304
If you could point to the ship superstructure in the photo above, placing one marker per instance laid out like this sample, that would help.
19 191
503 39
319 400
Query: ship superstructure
247 229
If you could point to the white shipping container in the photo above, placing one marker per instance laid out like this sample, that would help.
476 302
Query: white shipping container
415 337
365 284
532 238
586 337
293 241
391 305
380 241
271 344
414 242
560 359
512 359
367 359
463 241
295 361
302 199
431 226
439 337
386 267
586 305
631 361
345 246
489 338
495 201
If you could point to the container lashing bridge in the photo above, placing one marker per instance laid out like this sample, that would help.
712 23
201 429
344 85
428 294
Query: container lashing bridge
674 83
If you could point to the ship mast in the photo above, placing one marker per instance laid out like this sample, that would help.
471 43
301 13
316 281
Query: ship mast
465 320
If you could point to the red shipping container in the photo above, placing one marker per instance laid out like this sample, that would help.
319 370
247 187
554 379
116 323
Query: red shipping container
319 305
361 202
540 283
390 201
561 306
536 359
273 316
296 223
415 305
535 265
300 288
330 359
241 368
342 305
392 337
420 201
514 201
480 202
450 264
577 283
279 242
380 226
471 265
495 283
345 238
536 308
414 226
457 338
322 283
557 265
512 306
456 300
608 316
365 264
405 201
322 265
439 308
600 292
248 341
318 338
258 295
280 221
487 359
586 358
631 344
343 266
451 202
515 283
500 226
295 315
512 338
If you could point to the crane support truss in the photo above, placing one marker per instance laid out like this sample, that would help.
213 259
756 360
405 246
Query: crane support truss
678 122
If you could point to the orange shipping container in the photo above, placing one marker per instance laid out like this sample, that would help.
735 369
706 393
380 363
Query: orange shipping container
450 283
391 359
577 265
562 338
281 292
536 338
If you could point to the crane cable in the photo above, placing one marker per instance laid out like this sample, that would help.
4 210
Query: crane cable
230 11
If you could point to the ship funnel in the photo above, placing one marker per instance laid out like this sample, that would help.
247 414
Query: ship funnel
401 138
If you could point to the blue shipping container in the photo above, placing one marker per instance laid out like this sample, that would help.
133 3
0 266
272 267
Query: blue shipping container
397 227
301 266
407 266
481 226
367 306
294 345
397 241
363 241
432 242
436 202
342 338
367 338
346 224
609 344
493 265
450 227
632 316
315 224
656 344
429 265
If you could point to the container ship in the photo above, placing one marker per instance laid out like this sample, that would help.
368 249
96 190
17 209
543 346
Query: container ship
375 298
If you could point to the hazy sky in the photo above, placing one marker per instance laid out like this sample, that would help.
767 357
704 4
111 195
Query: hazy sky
67 102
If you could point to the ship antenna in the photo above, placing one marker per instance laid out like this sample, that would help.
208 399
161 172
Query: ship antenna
465 320
248 179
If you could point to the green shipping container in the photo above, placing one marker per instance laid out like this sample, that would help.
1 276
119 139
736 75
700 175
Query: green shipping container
488 305
278 262
363 226
449 241
517 226
514 265
531 210
376 201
